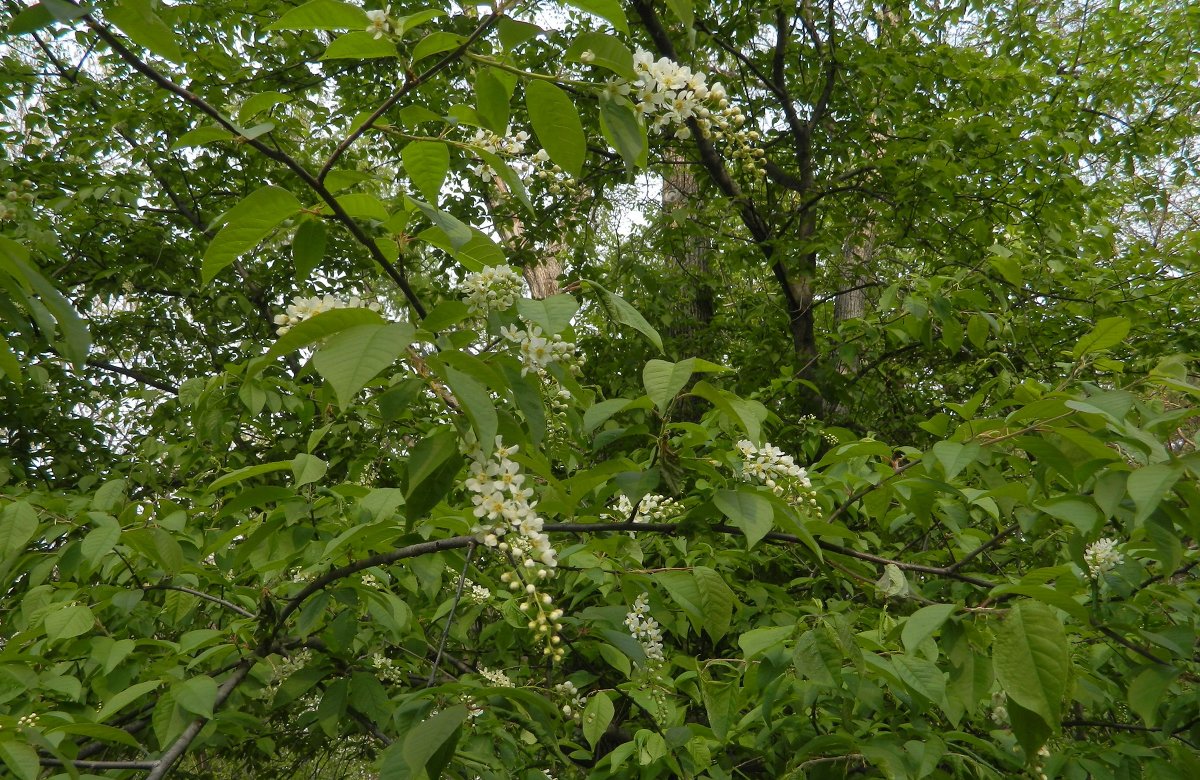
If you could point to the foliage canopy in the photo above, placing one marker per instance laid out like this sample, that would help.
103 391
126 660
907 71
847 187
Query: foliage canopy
599 389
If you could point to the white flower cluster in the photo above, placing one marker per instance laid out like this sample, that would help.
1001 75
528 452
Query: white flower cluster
369 580
575 700
476 594
27 721
495 288
777 470
653 508
379 23
497 678
509 145
303 308
645 629
538 351
1102 556
507 521
386 670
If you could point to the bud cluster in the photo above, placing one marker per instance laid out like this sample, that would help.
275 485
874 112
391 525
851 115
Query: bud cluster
497 678
17 194
476 594
386 669
575 701
302 309
495 288
653 508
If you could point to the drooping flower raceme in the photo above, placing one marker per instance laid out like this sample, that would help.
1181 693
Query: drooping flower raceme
653 508
538 351
497 678
301 309
776 469
575 701
1102 556
495 288
645 629
506 521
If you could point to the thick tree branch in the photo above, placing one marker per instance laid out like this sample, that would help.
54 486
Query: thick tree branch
180 745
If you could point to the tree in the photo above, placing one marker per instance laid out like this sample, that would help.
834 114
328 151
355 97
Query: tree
872 452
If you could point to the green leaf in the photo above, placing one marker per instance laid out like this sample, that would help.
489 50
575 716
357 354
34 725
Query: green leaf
492 101
759 640
428 456
1032 660
137 19
31 19
18 524
120 701
923 623
595 416
608 10
9 365
618 309
200 136
749 414
308 248
1029 728
477 403
21 758
75 339
1149 485
256 104
323 15
417 756
455 229
435 43
716 601
197 695
308 468
1108 333
247 224
426 163
747 511
322 326
607 52
100 540
683 11
664 380
954 456
246 472
359 45
557 125
552 314
1147 691
625 132
69 620
351 358
597 715
921 676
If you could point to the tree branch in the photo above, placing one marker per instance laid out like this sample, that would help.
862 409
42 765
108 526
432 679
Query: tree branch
180 745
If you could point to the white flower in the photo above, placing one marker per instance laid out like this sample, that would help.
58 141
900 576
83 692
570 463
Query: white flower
1101 556
645 629
379 22
302 309
496 678
495 288
587 56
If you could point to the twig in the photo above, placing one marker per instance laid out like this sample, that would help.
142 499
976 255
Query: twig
208 596
180 745
462 579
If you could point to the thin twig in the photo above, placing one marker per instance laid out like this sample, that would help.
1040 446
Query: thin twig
462 579
201 594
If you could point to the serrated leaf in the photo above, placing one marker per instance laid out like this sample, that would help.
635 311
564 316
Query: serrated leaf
436 43
747 511
1032 661
426 163
597 715
411 758
200 136
197 695
556 123
1148 486
100 540
137 19
621 127
716 601
607 52
955 456
921 676
1108 332
922 624
308 248
663 380
308 468
758 640
608 10
256 104
360 45
429 455
322 326
246 225
1147 691
323 15
66 621
351 358
18 524
457 232
619 309
553 314
477 402
492 101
